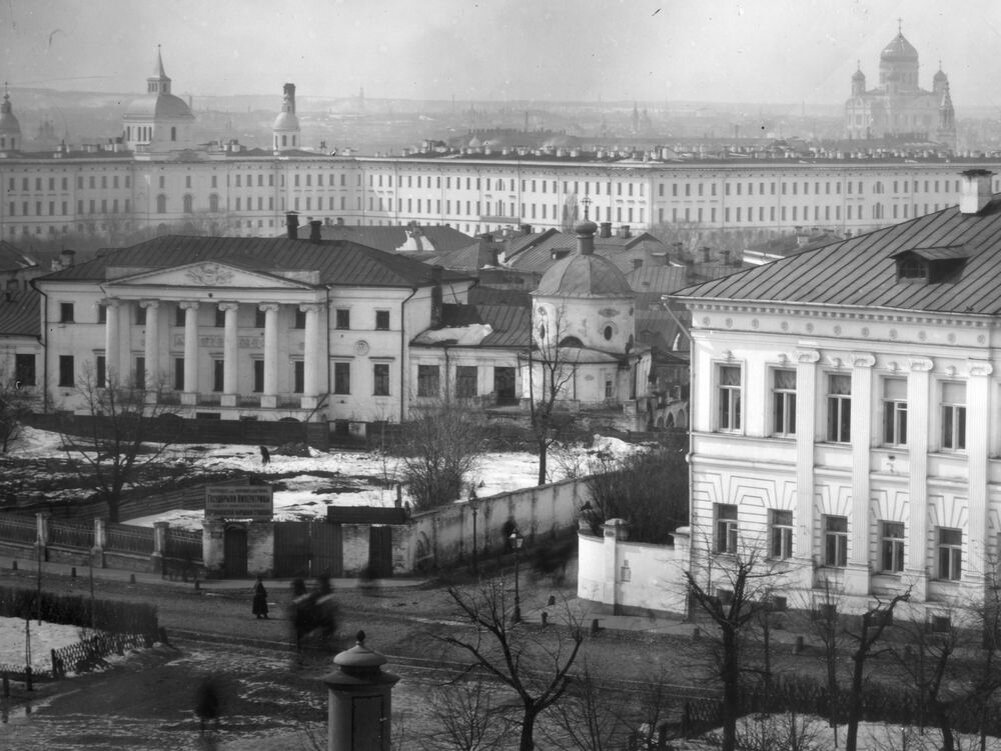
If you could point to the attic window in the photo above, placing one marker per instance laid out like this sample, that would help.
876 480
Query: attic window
930 265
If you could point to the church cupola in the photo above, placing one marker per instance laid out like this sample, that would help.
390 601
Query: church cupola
940 81
285 131
898 65
10 128
158 121
858 81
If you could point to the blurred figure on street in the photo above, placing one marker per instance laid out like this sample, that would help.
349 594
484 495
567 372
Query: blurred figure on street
260 606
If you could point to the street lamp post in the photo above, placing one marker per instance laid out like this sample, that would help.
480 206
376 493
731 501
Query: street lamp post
474 509
516 542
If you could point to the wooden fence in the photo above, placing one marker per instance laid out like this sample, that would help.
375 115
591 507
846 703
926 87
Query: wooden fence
90 653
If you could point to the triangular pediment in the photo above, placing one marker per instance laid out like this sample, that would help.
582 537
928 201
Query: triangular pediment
204 274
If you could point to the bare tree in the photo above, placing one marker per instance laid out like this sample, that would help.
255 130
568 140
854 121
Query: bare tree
591 719
535 665
441 448
733 590
866 642
649 489
551 369
15 404
465 717
826 626
126 435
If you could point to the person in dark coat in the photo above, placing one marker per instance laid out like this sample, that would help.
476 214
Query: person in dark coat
208 703
265 456
260 606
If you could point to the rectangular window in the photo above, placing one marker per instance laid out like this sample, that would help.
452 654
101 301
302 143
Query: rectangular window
780 534
102 371
342 318
300 319
784 402
729 397
66 312
891 547
24 370
67 377
179 374
726 528
895 411
839 408
298 376
950 554
380 379
220 318
260 317
382 320
835 541
465 381
427 380
102 313
140 373
342 378
258 376
218 371
140 315
954 416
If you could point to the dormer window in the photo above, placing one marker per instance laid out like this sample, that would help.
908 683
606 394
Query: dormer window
935 265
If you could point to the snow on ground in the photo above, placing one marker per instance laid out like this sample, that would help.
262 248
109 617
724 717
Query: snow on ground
307 485
44 638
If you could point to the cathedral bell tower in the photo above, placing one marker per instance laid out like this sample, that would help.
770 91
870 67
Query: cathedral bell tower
285 134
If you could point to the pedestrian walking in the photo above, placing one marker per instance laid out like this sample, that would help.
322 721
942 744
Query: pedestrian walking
265 456
208 703
260 606
508 528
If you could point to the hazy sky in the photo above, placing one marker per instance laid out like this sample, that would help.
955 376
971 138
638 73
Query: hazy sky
647 50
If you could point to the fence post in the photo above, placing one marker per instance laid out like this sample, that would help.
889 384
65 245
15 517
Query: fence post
100 543
160 532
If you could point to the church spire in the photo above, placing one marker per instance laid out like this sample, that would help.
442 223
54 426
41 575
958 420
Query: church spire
159 82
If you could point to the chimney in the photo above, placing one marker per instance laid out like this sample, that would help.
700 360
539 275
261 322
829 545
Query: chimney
340 221
606 229
66 258
705 254
726 257
292 225
526 229
314 231
976 191
626 234
585 238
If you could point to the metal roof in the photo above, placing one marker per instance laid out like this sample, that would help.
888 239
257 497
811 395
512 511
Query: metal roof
861 271
338 263
20 313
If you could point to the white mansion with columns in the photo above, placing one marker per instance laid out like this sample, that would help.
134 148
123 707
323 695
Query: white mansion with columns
845 408
244 328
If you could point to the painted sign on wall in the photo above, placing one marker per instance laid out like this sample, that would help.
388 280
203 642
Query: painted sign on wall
239 502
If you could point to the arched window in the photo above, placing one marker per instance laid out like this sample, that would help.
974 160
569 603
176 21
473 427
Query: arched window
161 204
188 204
572 341
214 202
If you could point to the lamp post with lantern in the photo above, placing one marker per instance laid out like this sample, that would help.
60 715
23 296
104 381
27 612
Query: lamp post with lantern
473 508
516 542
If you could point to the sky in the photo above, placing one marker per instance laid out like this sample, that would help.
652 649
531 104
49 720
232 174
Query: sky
769 51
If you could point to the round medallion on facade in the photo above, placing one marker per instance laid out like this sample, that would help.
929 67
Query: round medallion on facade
729 323
785 325
837 330
981 339
865 331
754 322
361 347
922 335
705 320
809 328
893 333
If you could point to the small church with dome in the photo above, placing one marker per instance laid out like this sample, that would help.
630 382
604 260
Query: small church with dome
898 108
584 332
158 121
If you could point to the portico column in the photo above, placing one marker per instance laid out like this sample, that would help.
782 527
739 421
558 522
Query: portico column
152 344
190 393
229 354
311 359
857 572
916 552
269 399
112 341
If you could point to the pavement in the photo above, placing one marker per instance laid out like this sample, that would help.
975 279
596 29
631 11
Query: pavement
535 597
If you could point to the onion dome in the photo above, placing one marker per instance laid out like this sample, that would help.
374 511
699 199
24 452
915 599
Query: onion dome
939 77
858 75
899 49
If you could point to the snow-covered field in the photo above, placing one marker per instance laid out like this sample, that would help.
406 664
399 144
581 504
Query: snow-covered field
43 638
306 486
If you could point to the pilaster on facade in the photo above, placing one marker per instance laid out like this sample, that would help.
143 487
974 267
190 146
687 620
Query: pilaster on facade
151 348
112 340
806 419
977 446
857 570
311 355
918 392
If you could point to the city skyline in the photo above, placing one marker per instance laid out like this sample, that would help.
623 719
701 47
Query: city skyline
778 51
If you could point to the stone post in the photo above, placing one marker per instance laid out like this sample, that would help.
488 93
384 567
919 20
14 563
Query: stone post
214 546
160 532
615 530
100 543
41 536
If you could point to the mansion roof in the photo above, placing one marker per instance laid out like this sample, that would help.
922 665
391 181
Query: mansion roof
863 271
336 262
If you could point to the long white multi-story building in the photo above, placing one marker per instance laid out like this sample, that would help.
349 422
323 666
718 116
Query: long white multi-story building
152 175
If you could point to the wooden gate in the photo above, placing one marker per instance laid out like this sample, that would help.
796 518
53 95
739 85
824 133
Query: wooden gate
380 551
235 552
308 549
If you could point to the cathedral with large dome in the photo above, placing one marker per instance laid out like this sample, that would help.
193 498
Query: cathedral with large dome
898 108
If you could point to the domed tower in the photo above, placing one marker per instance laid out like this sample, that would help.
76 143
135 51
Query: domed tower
158 121
858 82
898 66
583 329
285 131
939 82
10 128
946 117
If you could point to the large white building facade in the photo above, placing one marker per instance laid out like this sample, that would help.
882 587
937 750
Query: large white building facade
845 412
153 176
